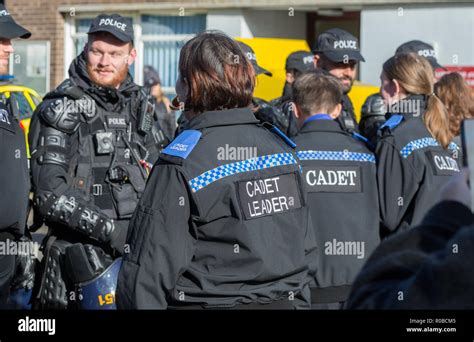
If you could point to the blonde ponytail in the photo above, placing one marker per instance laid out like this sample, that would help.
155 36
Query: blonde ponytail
437 121
415 76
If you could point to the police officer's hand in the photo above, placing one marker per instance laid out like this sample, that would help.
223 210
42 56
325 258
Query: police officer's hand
24 277
457 189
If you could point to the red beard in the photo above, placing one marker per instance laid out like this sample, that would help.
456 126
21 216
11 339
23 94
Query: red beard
115 82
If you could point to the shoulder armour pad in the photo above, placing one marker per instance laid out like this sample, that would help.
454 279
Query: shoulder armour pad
393 122
183 144
60 115
282 135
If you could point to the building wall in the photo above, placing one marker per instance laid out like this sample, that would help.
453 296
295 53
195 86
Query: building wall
43 19
45 22
449 28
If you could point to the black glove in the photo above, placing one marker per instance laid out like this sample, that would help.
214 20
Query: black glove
24 277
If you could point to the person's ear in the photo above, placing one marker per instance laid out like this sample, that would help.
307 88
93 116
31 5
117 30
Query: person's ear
396 87
132 57
290 77
336 111
316 60
296 110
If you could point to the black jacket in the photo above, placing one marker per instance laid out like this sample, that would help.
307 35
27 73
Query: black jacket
340 177
73 182
347 119
217 231
14 174
426 268
411 169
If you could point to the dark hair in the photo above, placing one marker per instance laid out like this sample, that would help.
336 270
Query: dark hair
415 75
315 92
458 99
217 73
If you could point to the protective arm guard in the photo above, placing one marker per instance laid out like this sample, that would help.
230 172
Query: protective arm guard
78 216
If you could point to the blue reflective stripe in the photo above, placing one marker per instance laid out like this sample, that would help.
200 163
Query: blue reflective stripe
253 164
422 143
336 155
453 146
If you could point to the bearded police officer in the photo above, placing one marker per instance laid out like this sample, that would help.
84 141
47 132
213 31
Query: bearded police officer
340 176
337 52
296 63
15 270
94 141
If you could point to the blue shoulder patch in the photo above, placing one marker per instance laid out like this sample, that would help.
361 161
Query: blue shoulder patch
393 122
183 144
282 135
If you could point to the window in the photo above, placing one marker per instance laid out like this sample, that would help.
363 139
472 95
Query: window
163 37
30 64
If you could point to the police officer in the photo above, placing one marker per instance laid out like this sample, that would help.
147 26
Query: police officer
166 116
339 175
414 156
218 228
337 52
93 144
421 49
263 110
14 176
427 268
297 63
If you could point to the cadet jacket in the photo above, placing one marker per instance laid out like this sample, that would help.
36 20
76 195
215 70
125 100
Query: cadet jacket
426 268
411 168
14 175
222 221
340 177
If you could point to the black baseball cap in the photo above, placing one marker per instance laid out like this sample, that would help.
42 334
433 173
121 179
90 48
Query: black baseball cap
151 76
300 60
118 26
9 28
422 49
337 45
250 54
